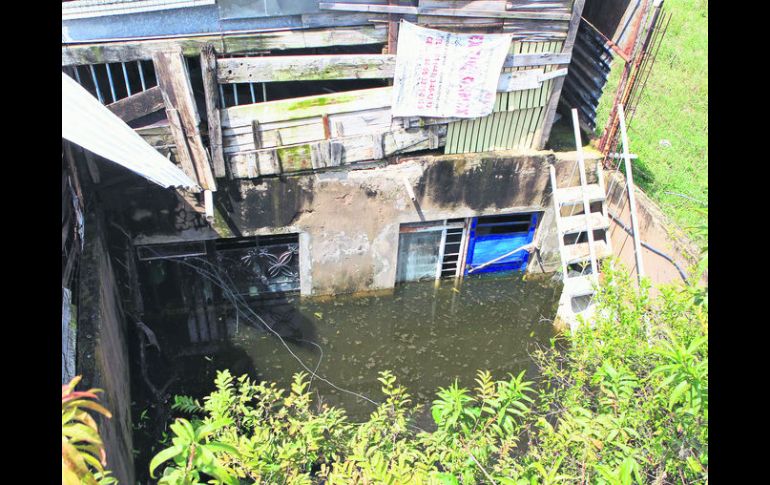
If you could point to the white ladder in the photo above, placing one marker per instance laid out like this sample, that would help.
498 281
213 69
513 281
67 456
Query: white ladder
579 284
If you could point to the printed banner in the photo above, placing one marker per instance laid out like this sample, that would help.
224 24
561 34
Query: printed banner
445 75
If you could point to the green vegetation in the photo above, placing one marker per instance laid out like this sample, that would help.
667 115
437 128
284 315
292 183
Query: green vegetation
621 401
82 451
669 131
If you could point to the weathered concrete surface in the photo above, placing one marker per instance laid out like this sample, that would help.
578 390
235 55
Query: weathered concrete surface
656 230
351 219
348 220
102 354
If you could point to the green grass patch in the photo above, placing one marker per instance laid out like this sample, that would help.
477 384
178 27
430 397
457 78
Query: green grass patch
669 131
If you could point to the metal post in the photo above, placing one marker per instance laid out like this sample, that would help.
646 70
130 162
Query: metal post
125 77
631 199
112 85
96 84
141 75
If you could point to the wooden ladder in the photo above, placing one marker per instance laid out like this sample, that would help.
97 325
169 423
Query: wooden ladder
583 253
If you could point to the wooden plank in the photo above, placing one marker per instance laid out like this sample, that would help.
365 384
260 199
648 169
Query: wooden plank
182 150
211 93
348 66
445 12
307 107
308 68
174 82
138 105
550 111
98 53
537 59
341 151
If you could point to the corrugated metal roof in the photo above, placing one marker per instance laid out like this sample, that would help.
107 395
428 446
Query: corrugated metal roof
96 8
85 121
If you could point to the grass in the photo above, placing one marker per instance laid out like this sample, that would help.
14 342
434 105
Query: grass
669 131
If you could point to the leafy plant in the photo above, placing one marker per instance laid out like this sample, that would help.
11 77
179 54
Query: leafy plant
82 450
193 455
623 400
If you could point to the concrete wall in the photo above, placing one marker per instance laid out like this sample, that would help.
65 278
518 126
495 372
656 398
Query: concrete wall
349 220
656 230
102 351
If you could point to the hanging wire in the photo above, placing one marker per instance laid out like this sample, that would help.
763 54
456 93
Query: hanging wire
225 284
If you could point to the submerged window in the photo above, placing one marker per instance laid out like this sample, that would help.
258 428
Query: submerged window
455 247
262 264
491 237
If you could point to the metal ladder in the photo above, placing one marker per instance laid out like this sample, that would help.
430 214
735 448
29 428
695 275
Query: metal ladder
585 254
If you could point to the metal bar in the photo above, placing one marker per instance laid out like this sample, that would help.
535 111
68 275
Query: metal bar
77 74
222 97
112 85
141 75
125 77
631 199
264 92
251 88
96 84
235 93
526 247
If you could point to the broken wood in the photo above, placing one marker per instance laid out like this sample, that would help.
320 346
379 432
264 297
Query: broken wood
174 82
138 105
211 92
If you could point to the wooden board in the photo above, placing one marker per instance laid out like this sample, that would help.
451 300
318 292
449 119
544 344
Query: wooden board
138 105
487 10
99 53
211 93
174 82
295 68
334 152
329 67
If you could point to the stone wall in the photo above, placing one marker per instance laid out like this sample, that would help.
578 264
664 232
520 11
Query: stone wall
656 230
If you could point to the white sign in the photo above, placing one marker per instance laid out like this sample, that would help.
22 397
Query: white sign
441 74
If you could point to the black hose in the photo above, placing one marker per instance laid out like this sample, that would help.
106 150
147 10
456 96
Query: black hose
645 245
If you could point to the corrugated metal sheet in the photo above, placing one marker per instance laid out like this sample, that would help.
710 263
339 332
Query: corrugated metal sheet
587 76
97 8
88 123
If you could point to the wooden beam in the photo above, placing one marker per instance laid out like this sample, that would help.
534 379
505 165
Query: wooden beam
445 12
306 68
125 51
347 66
553 100
138 105
174 82
211 92
182 150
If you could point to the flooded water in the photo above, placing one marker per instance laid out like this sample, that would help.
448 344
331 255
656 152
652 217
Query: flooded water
426 336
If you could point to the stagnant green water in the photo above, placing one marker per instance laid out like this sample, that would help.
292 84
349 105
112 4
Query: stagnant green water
426 336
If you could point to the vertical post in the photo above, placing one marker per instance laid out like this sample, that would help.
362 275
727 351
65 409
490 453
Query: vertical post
631 197
141 75
209 73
